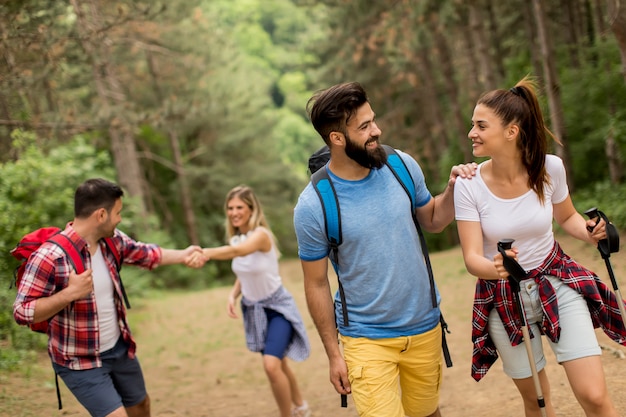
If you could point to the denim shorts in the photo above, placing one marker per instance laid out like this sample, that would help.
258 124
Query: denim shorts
119 382
577 340
279 334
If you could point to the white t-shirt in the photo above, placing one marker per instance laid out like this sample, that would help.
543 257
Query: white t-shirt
257 273
105 303
523 218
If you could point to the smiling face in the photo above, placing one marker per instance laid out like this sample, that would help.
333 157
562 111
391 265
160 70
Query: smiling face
238 214
362 134
487 133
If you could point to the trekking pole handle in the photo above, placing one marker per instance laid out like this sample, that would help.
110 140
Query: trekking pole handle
516 272
506 244
610 243
592 213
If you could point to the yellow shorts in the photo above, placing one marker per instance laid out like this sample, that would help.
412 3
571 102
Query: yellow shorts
395 377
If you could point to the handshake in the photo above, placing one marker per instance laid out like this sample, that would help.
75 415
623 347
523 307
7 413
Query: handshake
194 257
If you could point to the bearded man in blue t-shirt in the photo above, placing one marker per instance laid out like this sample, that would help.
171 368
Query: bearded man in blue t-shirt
391 361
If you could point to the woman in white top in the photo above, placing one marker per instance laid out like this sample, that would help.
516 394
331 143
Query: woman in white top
272 322
517 194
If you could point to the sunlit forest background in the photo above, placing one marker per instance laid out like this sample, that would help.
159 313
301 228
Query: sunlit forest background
179 101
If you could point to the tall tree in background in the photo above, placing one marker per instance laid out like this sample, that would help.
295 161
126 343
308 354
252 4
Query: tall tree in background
552 85
167 118
112 99
617 17
478 31
616 12
450 85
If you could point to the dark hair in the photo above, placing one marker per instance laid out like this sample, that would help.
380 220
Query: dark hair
330 110
520 105
93 194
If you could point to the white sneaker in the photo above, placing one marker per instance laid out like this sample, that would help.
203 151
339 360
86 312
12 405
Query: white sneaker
302 411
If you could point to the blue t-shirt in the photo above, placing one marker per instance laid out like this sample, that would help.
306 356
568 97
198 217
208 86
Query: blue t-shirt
381 265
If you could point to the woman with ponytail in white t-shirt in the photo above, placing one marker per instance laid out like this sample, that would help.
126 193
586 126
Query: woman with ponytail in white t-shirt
516 194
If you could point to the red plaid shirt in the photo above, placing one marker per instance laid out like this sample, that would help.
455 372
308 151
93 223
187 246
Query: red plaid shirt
73 334
497 294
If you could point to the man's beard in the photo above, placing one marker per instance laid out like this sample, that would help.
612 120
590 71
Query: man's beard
373 159
107 230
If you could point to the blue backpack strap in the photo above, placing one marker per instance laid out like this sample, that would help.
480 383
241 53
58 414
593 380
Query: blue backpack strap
399 169
332 216
325 190
402 174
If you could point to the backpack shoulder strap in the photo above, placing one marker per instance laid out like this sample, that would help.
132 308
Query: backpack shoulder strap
71 251
118 264
332 221
116 254
332 217
401 172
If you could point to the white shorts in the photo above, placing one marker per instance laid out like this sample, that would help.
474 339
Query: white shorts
577 340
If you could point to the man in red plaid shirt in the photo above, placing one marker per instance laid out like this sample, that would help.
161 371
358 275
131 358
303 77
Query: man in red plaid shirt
90 342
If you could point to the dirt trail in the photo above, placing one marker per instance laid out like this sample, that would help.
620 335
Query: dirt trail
196 363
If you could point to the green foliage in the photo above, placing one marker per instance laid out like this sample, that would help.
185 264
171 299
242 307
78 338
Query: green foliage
609 198
37 190
594 111
236 113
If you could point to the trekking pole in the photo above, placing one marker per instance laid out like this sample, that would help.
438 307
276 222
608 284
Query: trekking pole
516 274
607 246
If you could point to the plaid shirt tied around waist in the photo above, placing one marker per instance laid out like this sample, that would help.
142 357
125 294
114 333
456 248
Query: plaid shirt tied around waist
497 294
255 323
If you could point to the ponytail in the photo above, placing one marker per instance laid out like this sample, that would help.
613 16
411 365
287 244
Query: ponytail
520 105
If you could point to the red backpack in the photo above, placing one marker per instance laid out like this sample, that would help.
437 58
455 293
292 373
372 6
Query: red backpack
33 240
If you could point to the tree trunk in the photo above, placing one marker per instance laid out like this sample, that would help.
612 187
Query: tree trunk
488 77
598 18
611 147
532 37
616 11
552 87
438 140
185 194
112 101
572 28
498 54
614 158
179 166
451 87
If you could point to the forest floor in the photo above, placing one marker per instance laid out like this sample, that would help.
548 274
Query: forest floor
196 363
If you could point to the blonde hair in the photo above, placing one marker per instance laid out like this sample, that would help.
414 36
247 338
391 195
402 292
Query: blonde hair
257 217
